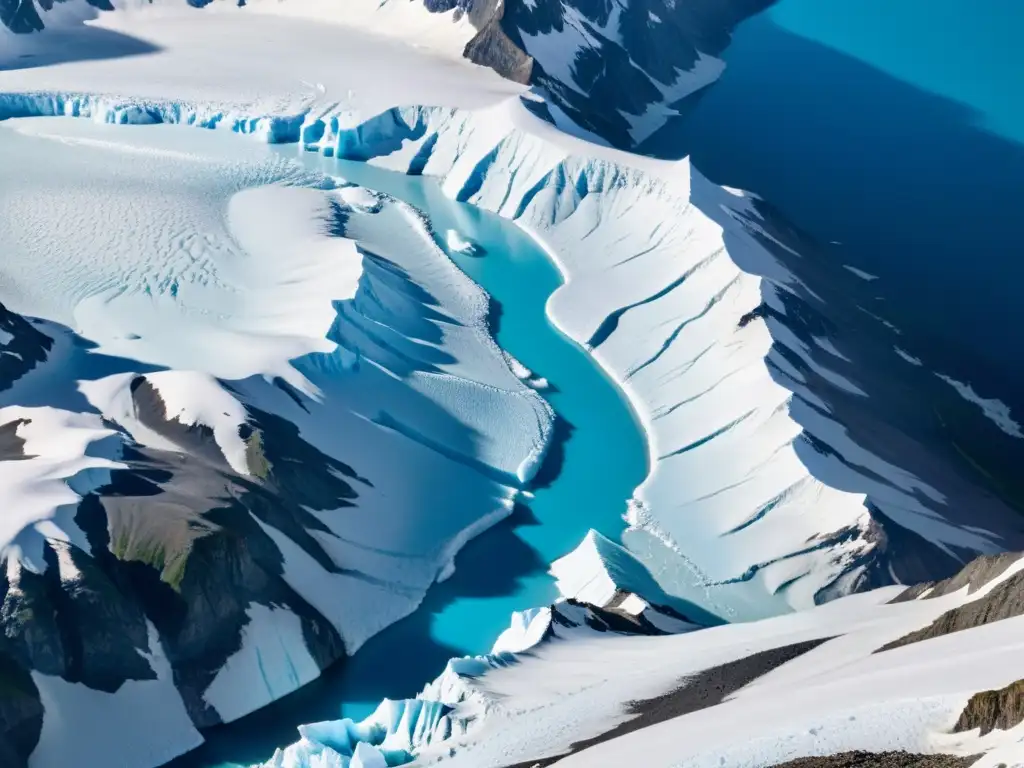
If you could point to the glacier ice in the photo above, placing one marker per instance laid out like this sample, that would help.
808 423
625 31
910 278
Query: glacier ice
385 738
730 396
775 483
456 242
720 380
235 472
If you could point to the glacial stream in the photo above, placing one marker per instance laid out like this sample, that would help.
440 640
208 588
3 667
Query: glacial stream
598 457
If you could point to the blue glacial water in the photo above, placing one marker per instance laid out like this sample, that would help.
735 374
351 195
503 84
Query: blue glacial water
893 132
599 456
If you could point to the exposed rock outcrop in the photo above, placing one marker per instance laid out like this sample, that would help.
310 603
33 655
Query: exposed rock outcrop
974 576
1005 601
880 760
492 47
22 346
21 711
990 710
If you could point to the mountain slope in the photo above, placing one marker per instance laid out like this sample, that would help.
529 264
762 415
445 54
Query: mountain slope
799 452
191 534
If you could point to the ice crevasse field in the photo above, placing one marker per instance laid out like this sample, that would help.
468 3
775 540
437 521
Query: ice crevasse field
384 383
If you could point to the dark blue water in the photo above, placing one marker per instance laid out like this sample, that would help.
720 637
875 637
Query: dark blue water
598 458
896 129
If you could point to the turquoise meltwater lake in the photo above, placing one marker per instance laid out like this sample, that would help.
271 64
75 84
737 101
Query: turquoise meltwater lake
598 458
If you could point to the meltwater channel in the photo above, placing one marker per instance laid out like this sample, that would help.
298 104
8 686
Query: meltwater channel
598 457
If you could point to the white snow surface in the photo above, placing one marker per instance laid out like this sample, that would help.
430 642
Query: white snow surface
994 409
546 686
839 696
252 68
66 455
146 719
222 269
225 275
660 266
456 242
272 662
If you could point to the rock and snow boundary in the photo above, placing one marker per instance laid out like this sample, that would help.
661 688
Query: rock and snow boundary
259 449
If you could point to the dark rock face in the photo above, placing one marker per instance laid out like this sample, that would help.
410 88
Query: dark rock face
605 61
604 619
880 760
990 710
177 536
12 447
492 47
21 712
974 576
177 556
22 345
1003 602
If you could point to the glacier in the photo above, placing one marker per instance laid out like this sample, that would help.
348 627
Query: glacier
228 484
452 708
720 370
788 468
583 684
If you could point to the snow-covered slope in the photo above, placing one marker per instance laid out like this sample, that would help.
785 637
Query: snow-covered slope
792 460
278 417
194 456
451 709
926 677
824 681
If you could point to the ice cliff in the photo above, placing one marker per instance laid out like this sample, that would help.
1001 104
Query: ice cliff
925 677
890 677
619 70
793 444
